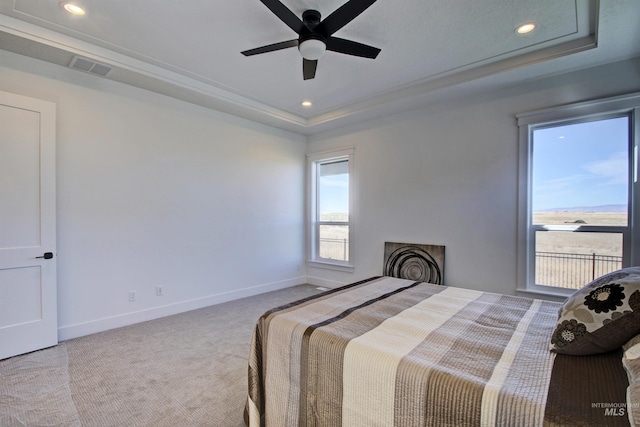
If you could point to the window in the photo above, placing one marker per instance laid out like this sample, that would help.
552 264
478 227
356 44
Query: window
330 226
579 194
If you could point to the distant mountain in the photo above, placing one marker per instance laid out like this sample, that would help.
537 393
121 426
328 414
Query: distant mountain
601 208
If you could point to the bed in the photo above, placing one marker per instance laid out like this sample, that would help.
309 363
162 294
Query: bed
394 352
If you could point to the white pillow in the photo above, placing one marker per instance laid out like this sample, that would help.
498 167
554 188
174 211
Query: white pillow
631 363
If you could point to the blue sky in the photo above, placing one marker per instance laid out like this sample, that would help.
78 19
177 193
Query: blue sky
334 194
580 165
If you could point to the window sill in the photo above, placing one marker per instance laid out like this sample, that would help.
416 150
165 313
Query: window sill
543 294
331 266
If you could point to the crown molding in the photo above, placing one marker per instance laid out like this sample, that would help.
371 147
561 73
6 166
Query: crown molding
74 46
197 90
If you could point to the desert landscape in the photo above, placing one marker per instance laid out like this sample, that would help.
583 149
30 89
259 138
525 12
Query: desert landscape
563 258
571 259
334 239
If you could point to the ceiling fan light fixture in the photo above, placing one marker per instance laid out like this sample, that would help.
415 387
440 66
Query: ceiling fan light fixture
312 49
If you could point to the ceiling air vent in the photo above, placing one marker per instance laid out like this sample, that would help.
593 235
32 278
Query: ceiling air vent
89 66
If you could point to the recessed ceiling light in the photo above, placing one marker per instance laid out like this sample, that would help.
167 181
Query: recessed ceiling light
525 28
306 104
72 8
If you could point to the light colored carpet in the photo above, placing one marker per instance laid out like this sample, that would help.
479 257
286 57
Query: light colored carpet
184 370
34 390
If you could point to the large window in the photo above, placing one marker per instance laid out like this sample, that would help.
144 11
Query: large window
330 190
578 194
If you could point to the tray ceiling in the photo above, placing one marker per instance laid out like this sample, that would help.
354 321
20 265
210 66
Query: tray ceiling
191 50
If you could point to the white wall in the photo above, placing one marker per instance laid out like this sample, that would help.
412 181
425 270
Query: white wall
447 174
153 191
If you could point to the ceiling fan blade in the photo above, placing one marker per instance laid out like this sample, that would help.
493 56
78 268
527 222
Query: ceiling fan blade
343 15
285 15
309 68
349 47
271 47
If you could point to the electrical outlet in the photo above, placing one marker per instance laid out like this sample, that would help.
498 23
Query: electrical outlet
132 296
159 291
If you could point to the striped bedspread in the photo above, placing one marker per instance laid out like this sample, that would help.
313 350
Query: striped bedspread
392 352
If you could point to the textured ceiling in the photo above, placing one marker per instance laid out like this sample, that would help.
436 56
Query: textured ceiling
191 50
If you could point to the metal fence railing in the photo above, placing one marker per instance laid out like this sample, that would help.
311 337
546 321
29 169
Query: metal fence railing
565 270
573 271
337 249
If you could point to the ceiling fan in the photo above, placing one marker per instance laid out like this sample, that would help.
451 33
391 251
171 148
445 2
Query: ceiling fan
316 36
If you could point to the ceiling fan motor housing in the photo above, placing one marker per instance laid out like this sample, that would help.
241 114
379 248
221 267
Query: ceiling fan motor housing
311 18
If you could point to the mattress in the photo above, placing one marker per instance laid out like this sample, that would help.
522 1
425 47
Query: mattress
393 352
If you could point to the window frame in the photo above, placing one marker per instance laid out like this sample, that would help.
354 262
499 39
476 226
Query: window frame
313 220
626 105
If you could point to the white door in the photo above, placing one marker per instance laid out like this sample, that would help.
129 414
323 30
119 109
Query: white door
28 295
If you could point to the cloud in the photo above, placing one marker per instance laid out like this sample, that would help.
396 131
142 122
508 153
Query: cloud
614 169
335 181
559 192
565 183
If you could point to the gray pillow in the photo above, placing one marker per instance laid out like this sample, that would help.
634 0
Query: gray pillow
601 316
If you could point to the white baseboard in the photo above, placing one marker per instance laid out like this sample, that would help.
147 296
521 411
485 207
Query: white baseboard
112 322
317 281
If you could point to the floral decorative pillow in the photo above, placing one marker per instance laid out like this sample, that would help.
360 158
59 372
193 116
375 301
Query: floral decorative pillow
600 317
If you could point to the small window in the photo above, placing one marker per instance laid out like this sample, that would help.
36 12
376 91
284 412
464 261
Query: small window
578 183
330 189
